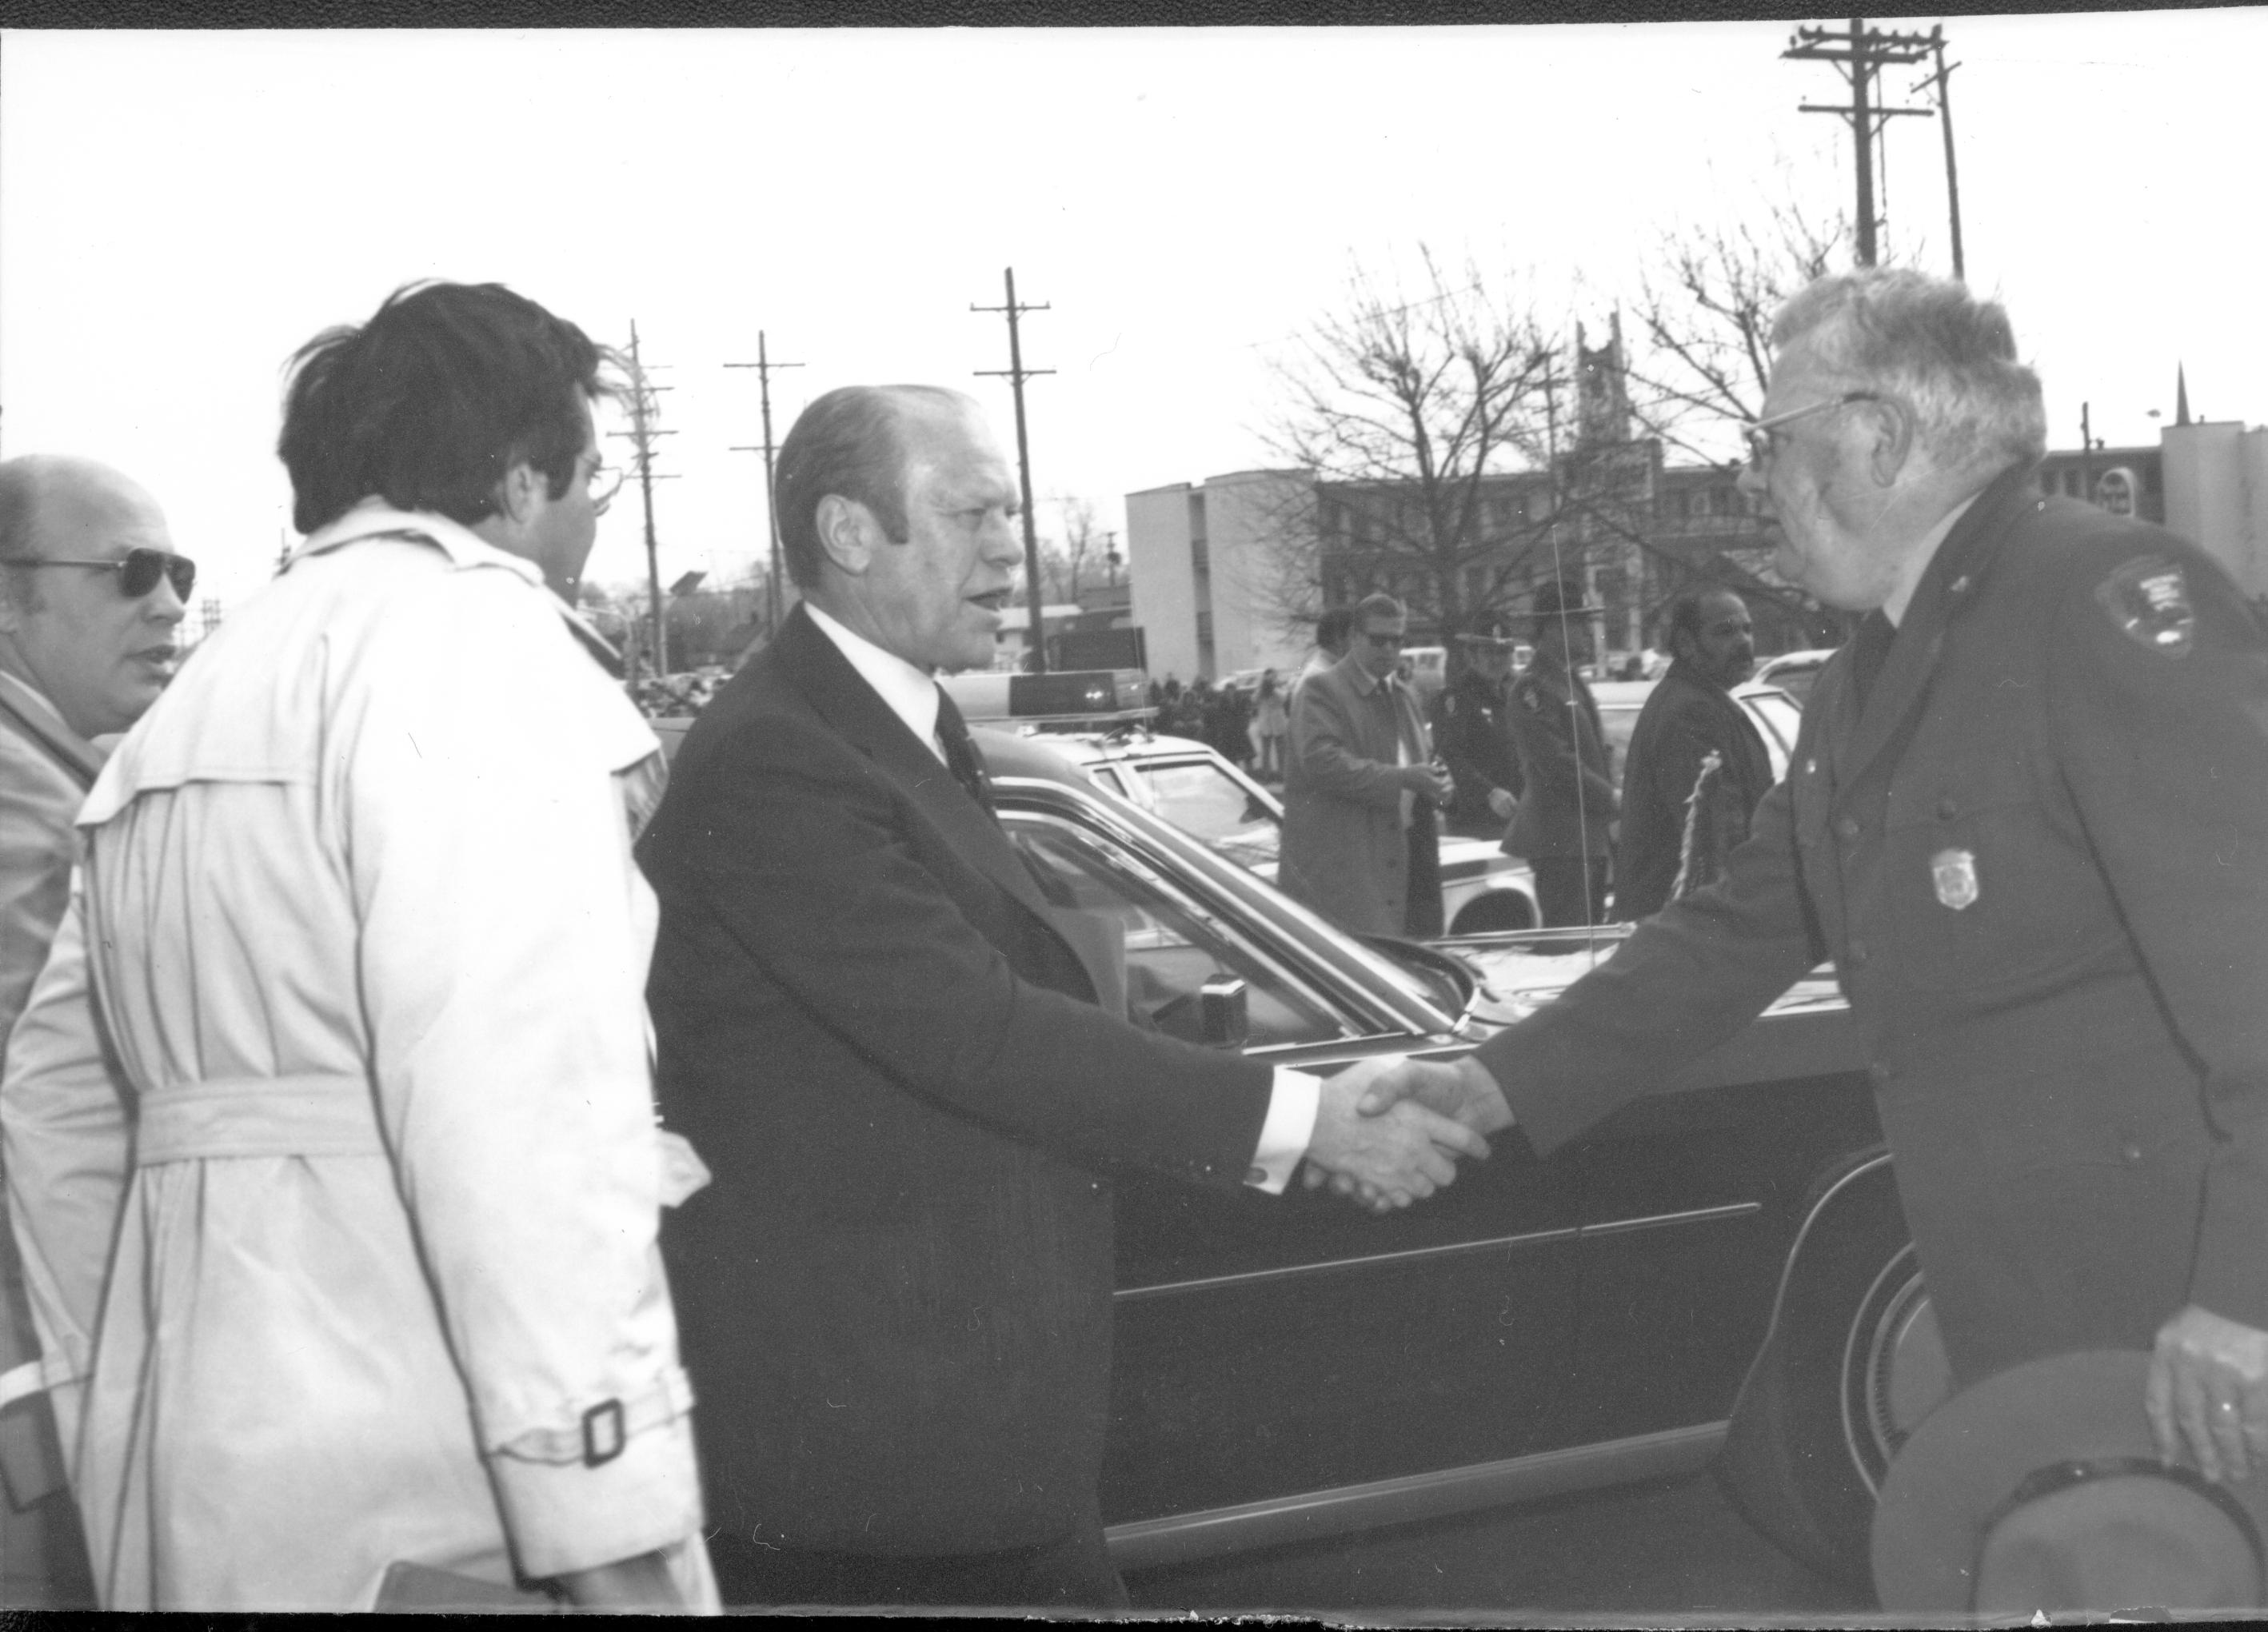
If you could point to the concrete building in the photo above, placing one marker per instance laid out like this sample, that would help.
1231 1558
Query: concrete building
1202 563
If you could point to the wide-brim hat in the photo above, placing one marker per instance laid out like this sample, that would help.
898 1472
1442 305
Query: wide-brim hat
2040 1488
1559 598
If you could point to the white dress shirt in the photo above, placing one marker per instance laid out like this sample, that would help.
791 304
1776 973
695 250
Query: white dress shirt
911 694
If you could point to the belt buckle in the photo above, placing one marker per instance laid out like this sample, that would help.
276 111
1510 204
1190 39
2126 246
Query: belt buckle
610 1412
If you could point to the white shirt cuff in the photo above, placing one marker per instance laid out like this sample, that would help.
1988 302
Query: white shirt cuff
1291 1106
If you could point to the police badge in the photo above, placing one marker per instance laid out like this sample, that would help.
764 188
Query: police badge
1954 873
2149 598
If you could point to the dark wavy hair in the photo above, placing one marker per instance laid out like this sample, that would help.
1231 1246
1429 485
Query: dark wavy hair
847 443
429 403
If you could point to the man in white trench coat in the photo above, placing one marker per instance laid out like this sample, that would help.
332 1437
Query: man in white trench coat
343 1045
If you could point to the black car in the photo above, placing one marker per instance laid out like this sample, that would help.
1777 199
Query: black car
1290 1367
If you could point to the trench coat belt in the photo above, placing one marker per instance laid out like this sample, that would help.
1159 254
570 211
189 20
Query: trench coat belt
314 1114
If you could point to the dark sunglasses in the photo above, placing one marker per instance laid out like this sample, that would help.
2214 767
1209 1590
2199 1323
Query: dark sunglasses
138 571
1381 640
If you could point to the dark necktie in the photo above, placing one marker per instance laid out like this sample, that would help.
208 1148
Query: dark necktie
960 754
1869 653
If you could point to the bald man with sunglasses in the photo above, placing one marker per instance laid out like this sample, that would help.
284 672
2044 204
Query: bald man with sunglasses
91 593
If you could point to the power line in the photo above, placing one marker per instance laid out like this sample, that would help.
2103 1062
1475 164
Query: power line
765 365
1860 54
1942 82
1017 374
641 433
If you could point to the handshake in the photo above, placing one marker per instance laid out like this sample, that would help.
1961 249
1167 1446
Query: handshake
1389 1131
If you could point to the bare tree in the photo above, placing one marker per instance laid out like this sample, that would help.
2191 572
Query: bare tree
1704 315
1062 561
1403 406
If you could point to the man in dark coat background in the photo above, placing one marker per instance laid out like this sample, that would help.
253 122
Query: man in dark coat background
2027 818
1475 733
1567 802
877 1029
1689 715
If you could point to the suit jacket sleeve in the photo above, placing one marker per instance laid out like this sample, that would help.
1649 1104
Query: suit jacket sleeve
1683 982
799 852
2166 754
1328 743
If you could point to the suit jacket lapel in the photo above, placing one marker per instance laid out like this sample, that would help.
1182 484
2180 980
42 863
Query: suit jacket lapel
81 762
840 696
1900 689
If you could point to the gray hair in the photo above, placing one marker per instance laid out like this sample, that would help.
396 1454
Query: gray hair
1934 345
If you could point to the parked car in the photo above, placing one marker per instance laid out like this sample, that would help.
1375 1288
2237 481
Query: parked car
1777 715
1794 672
1289 1368
1192 786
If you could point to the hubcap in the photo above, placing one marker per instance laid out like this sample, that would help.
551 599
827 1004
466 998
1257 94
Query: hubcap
1894 1372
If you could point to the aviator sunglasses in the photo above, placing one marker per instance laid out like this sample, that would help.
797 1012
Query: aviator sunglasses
138 571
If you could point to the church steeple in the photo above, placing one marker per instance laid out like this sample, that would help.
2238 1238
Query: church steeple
2181 395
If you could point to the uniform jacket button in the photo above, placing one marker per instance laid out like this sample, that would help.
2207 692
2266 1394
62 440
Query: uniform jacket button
2129 1153
1847 826
1946 810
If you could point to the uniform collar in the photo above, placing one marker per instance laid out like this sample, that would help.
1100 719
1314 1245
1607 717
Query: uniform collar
466 550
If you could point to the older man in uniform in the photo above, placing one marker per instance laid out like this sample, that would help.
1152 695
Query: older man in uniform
90 595
1476 733
1564 825
2028 817
1691 716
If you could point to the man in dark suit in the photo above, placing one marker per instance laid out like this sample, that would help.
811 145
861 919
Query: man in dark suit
895 1296
2027 818
1563 827
1691 716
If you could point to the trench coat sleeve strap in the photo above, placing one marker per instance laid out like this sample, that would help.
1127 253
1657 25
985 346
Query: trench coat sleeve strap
2166 752
1327 742
816 874
1685 982
504 935
64 1119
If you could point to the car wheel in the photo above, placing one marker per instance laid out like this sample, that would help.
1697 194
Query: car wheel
1853 1363
1490 914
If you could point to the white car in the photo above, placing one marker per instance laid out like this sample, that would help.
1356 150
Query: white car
1793 671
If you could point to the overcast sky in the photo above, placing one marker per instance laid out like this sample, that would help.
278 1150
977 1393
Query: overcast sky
180 211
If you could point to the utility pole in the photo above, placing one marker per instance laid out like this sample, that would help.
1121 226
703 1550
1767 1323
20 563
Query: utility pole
765 365
1034 591
641 432
2087 446
1942 80
1866 50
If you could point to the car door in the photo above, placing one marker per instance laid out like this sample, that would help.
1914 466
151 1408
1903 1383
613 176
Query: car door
1269 1346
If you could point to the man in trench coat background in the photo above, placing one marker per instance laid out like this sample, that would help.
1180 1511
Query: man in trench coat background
2027 818
1361 836
876 1026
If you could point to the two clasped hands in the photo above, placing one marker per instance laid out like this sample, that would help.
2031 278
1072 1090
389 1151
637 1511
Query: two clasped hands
1390 1131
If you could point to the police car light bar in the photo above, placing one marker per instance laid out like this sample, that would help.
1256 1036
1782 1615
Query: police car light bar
1087 697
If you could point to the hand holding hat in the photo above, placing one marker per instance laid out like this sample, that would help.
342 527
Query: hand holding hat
2208 1392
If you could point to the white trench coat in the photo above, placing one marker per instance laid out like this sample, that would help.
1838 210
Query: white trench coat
339 1198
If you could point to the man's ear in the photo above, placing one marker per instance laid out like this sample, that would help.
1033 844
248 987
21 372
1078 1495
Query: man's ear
515 495
1893 443
846 532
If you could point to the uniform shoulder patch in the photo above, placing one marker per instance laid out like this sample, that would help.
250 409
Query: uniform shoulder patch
1532 699
2148 600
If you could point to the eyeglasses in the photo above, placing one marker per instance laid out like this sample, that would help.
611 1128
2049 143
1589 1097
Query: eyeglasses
1759 431
138 571
604 482
1381 640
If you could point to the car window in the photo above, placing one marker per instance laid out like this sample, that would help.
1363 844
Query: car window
1203 801
1173 948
